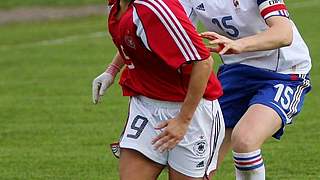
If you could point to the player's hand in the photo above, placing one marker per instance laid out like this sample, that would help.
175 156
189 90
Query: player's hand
100 85
223 45
173 132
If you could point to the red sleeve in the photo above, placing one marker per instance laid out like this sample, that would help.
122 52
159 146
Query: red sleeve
169 33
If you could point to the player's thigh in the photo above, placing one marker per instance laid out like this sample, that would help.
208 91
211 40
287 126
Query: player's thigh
224 149
270 110
135 166
175 175
196 155
139 131
256 125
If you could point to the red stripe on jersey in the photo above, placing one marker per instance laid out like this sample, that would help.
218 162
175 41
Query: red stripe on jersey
270 9
180 31
247 163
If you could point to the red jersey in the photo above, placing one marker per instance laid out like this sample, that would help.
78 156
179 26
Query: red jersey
159 44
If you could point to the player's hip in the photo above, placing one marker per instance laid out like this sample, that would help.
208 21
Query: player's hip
193 155
244 86
244 75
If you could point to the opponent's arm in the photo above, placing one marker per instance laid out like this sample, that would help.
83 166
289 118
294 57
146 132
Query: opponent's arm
175 129
279 34
101 83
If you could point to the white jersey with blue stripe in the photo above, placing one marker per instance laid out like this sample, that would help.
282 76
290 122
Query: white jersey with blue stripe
241 18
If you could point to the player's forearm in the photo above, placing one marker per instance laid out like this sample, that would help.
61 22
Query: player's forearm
278 35
197 85
117 61
115 66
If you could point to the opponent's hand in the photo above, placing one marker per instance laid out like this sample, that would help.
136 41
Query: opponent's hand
100 85
173 132
223 45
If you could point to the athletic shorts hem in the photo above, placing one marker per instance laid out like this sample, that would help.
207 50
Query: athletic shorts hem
145 153
212 166
278 110
181 170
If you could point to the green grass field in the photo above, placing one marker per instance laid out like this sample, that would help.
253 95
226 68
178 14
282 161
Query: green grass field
5 4
49 128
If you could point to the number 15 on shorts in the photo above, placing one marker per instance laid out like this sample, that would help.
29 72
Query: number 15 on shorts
283 96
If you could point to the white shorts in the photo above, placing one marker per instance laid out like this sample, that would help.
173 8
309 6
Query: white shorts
196 155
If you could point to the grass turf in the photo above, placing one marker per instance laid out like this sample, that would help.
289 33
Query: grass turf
50 130
5 4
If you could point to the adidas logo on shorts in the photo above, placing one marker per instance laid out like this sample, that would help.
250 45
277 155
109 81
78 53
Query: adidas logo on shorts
200 165
201 7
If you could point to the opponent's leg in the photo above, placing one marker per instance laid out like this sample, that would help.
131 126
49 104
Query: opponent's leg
257 124
135 166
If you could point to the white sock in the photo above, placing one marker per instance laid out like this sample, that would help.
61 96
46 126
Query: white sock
249 166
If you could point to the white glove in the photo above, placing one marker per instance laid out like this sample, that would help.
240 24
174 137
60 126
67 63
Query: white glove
100 85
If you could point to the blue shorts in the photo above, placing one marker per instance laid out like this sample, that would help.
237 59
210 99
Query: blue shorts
245 85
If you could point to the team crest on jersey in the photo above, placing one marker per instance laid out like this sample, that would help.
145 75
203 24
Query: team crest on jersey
129 41
200 147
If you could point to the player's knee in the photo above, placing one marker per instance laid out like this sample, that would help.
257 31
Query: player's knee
243 142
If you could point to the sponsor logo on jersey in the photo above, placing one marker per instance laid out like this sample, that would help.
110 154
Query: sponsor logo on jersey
200 147
201 7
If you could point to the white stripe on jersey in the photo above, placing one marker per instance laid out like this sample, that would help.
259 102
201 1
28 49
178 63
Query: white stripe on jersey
167 27
273 13
286 13
140 30
297 96
163 16
182 29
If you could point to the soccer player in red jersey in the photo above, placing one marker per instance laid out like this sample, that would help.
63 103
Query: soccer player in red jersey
174 118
